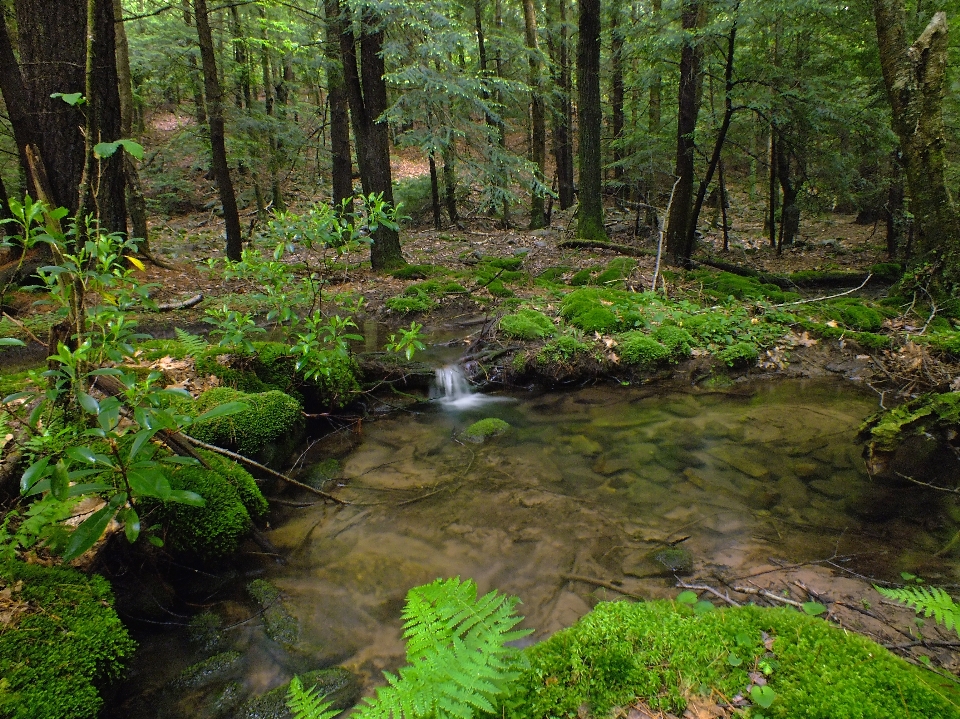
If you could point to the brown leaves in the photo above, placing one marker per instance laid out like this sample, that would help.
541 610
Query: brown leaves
11 608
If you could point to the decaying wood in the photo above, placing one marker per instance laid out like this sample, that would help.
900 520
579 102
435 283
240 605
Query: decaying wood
599 245
193 301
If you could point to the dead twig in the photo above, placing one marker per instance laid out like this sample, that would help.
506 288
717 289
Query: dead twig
704 588
601 583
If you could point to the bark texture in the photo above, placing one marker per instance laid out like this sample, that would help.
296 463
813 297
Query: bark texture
538 134
590 212
341 166
914 76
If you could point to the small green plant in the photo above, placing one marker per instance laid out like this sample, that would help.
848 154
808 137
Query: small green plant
458 661
193 344
928 601
233 327
407 342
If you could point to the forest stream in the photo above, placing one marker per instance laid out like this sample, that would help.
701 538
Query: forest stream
618 484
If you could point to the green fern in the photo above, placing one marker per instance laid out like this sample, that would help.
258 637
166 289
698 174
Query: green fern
458 661
928 601
194 345
305 704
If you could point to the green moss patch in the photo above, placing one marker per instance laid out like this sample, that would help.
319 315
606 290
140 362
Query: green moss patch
739 354
62 637
640 350
480 432
269 417
663 653
854 314
924 415
676 339
527 324
561 350
280 625
413 272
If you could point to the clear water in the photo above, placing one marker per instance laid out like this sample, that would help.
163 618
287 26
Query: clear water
589 483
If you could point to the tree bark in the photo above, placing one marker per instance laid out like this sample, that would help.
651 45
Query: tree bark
656 87
679 246
341 169
538 145
196 81
790 214
914 76
449 156
52 45
221 169
17 101
590 212
435 192
367 98
617 92
562 109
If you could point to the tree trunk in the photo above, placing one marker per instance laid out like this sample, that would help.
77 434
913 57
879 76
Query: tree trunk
679 246
196 82
773 194
790 214
914 76
52 47
656 87
538 145
590 212
617 100
341 165
562 109
17 101
241 57
136 203
367 98
435 192
221 169
450 182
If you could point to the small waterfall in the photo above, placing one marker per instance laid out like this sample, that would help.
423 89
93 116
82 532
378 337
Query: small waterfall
452 390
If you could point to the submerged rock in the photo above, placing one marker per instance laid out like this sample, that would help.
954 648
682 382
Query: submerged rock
280 625
337 685
480 432
214 669
675 560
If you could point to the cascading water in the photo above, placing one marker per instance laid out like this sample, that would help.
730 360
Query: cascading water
452 389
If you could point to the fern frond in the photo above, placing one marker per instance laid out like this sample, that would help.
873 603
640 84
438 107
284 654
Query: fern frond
194 345
928 601
458 659
305 704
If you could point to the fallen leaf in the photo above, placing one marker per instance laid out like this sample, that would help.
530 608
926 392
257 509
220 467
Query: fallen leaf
832 323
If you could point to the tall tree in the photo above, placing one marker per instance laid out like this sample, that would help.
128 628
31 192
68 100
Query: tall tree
590 115
218 149
914 76
367 97
538 134
341 165
679 245
562 106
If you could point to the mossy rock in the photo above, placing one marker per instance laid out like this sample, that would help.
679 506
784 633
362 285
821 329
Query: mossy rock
270 417
231 497
528 324
62 641
413 272
930 413
739 354
280 625
643 351
337 685
661 652
673 560
485 429
320 473
855 315
677 340
217 668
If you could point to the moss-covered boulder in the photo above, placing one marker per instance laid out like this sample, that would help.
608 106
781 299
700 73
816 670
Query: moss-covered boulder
641 350
213 669
59 639
337 685
485 429
232 501
280 625
935 417
527 324
271 419
664 653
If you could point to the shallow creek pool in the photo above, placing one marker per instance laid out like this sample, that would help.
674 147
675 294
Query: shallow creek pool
592 483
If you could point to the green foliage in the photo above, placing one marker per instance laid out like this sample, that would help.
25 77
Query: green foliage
637 348
413 272
305 704
553 274
585 309
854 314
887 271
562 349
193 346
923 415
928 601
268 417
413 299
616 272
528 324
484 429
659 651
946 342
582 278
62 640
739 354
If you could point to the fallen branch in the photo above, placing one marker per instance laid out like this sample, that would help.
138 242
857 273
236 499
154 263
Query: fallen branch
769 595
22 326
192 302
704 588
828 297
601 583
256 465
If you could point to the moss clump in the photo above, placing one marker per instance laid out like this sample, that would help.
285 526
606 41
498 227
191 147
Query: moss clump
924 415
217 528
740 354
643 351
480 432
553 274
416 301
215 668
887 271
511 264
269 417
676 339
62 638
661 652
946 342
855 315
528 325
561 350
413 272
726 284
498 289
582 278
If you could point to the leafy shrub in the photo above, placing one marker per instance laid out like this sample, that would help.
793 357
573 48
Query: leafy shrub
740 354
658 651
528 324
66 639
269 417
641 350
676 339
